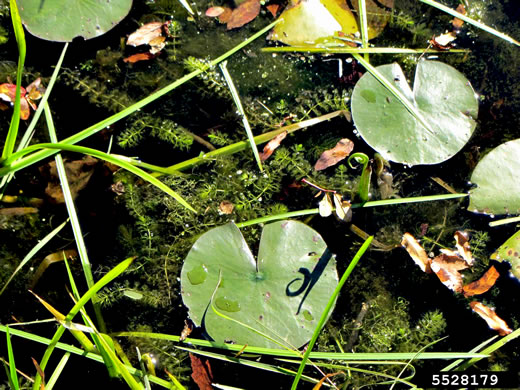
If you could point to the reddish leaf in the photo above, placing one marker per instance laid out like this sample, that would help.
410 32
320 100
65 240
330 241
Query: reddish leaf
225 207
213 12
332 156
273 9
24 109
272 145
201 372
482 285
244 13
456 22
146 33
416 251
489 315
8 92
462 244
447 268
226 15
139 57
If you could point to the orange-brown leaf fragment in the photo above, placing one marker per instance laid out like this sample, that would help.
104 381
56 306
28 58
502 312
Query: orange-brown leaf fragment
332 156
482 285
456 22
489 315
225 207
226 15
462 244
417 252
146 33
244 13
447 268
272 145
273 9
139 57
201 372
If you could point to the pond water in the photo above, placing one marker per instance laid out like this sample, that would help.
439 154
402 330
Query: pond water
121 216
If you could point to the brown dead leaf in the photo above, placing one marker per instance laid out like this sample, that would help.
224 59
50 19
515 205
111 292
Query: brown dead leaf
226 207
447 268
244 13
16 211
157 44
489 315
273 9
462 244
201 372
482 285
416 251
272 145
146 33
186 331
456 22
332 156
139 57
78 172
225 16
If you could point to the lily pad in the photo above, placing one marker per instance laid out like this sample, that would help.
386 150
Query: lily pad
496 177
510 251
64 20
309 22
282 294
441 94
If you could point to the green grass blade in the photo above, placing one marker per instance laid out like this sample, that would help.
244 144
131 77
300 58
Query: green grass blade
328 309
248 363
473 22
398 94
13 376
242 145
33 252
374 203
80 352
479 347
57 371
119 161
15 119
358 50
111 275
13 166
363 25
186 5
241 112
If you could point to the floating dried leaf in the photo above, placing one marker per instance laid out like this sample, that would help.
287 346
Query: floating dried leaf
272 145
213 12
456 22
343 208
443 41
447 268
224 18
332 156
244 13
482 285
325 205
186 331
201 372
146 33
462 244
492 319
15 211
226 207
139 57
416 251
273 9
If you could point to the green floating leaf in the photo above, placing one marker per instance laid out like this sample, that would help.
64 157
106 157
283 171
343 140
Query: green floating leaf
281 295
64 20
510 251
496 177
309 22
441 95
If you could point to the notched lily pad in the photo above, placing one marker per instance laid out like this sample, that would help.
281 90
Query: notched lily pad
64 20
282 294
496 177
441 94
